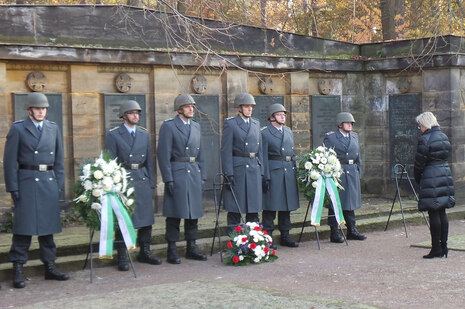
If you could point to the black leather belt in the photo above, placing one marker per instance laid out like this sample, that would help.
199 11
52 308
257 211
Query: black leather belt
279 158
40 167
347 162
184 159
250 155
134 166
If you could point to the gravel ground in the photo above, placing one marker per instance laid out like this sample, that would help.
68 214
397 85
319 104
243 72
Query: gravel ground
382 272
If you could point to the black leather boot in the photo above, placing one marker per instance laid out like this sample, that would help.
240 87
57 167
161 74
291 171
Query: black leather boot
273 244
52 272
353 234
192 253
146 256
172 254
436 250
18 276
335 236
287 241
121 256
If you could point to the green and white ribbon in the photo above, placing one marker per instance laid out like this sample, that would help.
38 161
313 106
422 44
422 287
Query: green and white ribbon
323 184
111 203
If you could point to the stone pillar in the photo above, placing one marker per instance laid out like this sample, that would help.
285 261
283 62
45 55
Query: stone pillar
300 120
236 83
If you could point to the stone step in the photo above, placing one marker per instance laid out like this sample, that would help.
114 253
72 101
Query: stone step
74 245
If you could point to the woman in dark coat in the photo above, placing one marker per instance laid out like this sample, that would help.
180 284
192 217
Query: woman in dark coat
433 174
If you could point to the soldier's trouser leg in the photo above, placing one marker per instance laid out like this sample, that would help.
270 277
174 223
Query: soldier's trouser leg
233 220
268 217
252 217
144 238
172 229
190 229
48 249
19 248
121 251
284 220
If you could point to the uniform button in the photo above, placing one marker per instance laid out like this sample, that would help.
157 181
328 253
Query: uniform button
130 155
347 154
285 169
51 152
36 152
187 147
282 148
131 179
143 178
143 155
50 179
247 166
188 171
36 179
347 172
246 144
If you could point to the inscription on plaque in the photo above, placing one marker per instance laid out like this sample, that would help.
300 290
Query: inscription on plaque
261 109
207 113
111 104
403 130
324 111
54 112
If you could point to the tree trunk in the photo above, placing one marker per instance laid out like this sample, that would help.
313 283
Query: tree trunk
389 10
263 13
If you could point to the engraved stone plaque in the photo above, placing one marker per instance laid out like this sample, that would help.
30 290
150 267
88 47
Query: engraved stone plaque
207 113
324 111
54 112
403 130
111 104
261 109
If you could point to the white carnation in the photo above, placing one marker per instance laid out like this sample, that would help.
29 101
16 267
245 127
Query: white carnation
96 206
308 165
314 175
87 185
315 184
98 174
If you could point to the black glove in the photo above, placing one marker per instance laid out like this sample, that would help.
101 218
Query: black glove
169 187
231 180
15 196
265 185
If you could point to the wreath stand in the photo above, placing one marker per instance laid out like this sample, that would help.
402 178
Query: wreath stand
220 185
316 228
399 171
91 250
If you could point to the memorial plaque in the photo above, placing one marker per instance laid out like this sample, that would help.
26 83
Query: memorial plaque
207 114
403 130
324 111
260 110
54 112
111 104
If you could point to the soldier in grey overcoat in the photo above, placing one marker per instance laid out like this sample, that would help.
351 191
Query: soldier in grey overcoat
130 144
182 167
345 142
241 160
280 192
33 167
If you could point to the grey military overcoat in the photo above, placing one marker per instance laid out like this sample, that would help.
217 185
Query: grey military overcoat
38 211
239 138
348 153
283 194
176 142
121 146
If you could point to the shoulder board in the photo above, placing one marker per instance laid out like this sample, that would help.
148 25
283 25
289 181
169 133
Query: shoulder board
263 128
229 118
51 122
170 119
19 121
355 133
194 120
330 133
145 129
113 129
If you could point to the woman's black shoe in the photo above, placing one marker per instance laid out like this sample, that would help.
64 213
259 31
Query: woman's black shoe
434 254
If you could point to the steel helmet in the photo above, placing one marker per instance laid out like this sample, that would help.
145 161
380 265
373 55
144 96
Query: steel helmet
344 117
183 99
36 99
129 105
244 99
274 108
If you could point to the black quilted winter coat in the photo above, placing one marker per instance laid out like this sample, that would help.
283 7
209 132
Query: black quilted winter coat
432 171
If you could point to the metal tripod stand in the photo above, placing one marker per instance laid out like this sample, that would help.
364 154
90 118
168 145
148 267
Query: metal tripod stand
399 172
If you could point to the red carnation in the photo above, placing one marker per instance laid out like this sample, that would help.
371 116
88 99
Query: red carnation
273 252
257 228
265 232
253 246
229 244
244 239
238 228
235 259
267 249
